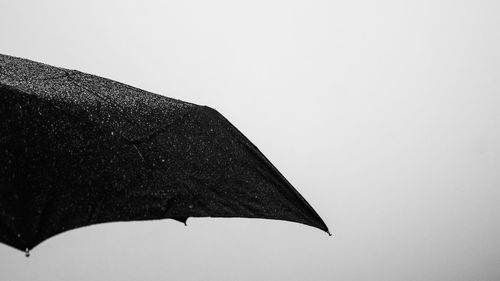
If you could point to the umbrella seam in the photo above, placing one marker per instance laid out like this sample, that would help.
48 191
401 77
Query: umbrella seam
128 118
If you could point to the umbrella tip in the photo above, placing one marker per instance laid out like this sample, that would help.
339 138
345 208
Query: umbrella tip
27 252
329 234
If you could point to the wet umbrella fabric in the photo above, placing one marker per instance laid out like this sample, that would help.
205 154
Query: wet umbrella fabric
77 149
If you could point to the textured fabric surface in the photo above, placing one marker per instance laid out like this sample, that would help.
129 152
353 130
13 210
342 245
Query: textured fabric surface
77 149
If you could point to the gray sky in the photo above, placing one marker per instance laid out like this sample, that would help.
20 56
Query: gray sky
383 114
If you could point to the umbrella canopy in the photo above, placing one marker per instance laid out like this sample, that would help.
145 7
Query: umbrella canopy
78 149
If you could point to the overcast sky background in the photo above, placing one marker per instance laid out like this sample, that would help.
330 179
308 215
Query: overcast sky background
385 115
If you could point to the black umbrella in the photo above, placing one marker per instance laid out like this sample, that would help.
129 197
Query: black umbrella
77 149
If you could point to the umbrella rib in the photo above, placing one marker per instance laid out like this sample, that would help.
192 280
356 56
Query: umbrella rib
66 74
172 123
125 115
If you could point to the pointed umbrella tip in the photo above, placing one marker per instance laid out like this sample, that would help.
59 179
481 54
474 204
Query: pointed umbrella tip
329 234
27 252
